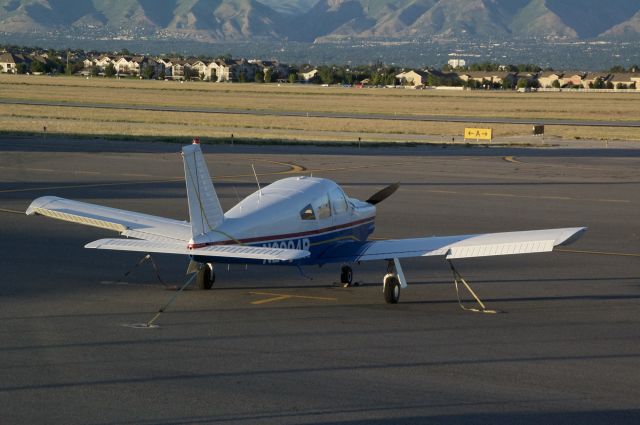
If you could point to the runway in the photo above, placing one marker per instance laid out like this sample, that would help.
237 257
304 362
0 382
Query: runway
319 114
270 346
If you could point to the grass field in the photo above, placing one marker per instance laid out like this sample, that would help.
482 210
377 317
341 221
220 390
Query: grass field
247 97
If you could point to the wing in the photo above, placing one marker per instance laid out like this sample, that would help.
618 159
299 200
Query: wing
228 251
453 247
127 223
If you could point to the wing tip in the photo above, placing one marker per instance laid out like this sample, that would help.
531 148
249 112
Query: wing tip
571 235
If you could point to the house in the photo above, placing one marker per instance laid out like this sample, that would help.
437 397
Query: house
309 75
597 80
241 69
546 79
102 62
413 78
200 69
9 63
573 78
122 65
626 80
278 71
179 68
219 70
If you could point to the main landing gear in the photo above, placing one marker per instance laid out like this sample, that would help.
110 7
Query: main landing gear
206 277
393 282
346 276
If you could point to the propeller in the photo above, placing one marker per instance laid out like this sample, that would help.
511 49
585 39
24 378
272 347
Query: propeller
383 194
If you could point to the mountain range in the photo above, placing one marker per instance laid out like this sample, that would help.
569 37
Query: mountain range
326 20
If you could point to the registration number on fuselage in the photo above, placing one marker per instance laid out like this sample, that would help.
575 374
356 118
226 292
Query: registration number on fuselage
300 244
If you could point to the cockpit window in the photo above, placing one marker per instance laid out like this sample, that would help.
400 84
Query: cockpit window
324 208
307 213
338 201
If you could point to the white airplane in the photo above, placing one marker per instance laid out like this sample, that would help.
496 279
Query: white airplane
295 221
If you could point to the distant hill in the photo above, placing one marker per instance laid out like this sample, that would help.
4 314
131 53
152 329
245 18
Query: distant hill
311 20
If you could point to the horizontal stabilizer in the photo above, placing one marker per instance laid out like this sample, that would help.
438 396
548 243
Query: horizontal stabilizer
222 251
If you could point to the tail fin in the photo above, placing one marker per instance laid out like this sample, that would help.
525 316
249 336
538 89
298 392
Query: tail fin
205 211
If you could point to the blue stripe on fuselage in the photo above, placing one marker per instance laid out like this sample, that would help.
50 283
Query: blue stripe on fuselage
316 245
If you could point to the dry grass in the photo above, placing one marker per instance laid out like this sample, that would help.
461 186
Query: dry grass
589 106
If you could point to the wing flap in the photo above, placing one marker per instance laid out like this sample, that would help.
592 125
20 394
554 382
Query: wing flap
226 251
127 223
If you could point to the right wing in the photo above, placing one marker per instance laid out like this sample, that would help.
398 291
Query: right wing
454 247
220 251
127 223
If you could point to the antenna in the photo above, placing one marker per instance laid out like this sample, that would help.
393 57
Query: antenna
256 176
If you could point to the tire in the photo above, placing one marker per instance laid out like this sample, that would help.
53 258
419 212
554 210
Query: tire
206 278
392 290
346 275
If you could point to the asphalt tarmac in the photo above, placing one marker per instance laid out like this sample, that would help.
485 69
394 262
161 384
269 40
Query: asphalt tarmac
269 346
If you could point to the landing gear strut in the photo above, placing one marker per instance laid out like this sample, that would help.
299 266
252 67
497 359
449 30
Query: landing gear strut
206 277
346 276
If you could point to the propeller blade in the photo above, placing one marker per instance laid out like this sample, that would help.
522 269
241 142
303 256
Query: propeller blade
380 196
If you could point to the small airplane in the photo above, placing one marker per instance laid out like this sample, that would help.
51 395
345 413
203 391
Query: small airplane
297 221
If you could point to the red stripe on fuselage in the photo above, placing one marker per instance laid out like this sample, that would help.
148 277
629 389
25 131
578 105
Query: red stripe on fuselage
285 236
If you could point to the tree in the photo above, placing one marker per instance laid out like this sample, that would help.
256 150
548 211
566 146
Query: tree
21 68
259 77
94 71
188 73
609 85
37 66
293 77
433 81
523 83
555 84
148 72
110 70
326 74
242 77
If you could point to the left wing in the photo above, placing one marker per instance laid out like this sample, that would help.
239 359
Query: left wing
226 251
453 247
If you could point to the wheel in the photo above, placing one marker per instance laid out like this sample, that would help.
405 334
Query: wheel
206 277
346 276
391 289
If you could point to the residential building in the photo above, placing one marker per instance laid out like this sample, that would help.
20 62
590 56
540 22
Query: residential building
546 79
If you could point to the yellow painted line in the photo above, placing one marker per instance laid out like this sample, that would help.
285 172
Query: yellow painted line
616 254
294 169
46 170
512 160
270 300
11 211
281 297
443 191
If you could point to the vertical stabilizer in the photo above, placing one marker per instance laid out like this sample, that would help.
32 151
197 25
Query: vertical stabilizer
205 211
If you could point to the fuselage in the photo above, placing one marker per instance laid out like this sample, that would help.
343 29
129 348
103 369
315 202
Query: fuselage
306 213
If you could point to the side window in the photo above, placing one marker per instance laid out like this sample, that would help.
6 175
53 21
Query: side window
324 209
307 213
338 201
